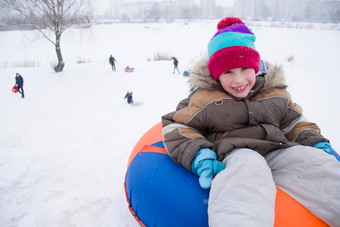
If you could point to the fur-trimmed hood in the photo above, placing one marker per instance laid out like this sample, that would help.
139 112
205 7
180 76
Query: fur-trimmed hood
201 78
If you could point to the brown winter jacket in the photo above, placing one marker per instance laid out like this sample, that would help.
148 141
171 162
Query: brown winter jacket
264 121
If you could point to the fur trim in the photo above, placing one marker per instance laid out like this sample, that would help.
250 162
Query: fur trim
200 76
275 77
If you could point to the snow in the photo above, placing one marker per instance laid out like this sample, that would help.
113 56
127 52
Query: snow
64 148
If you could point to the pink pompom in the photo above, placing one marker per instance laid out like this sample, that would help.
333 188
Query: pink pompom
228 21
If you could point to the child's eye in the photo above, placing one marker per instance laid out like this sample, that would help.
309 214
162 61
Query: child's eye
227 72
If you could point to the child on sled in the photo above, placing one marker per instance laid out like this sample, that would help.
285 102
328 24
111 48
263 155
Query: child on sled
242 134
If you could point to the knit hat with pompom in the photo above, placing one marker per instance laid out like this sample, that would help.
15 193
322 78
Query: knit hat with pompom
232 47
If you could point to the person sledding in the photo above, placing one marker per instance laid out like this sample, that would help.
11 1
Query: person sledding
242 134
19 83
128 69
128 96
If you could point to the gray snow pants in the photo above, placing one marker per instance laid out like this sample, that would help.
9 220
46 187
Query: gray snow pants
243 194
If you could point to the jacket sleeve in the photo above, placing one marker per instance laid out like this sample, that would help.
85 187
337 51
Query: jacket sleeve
299 129
181 141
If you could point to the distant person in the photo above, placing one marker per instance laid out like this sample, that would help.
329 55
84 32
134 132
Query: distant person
112 61
175 65
19 82
128 96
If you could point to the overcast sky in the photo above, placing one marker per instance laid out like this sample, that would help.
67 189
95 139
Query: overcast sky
102 5
225 2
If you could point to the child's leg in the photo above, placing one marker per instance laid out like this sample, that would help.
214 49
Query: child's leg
244 193
310 176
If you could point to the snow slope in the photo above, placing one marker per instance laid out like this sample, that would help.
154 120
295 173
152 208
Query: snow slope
64 148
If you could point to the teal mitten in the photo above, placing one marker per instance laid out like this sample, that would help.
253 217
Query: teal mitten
327 148
206 166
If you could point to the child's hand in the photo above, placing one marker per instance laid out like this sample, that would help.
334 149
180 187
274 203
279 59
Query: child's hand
327 148
206 166
207 170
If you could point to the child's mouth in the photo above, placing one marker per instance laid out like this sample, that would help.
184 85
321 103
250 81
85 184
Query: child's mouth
241 88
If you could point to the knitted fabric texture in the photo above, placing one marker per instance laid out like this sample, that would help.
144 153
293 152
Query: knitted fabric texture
232 47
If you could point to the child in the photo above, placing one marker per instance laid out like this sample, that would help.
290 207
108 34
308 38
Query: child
128 96
241 125
19 82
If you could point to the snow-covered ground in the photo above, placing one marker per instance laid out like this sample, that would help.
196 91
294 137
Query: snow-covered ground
64 148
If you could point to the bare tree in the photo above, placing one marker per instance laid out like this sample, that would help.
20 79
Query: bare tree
53 15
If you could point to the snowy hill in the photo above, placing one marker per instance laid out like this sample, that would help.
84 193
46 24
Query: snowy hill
64 148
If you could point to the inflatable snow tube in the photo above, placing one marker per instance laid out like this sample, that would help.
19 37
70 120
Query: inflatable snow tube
162 193
15 89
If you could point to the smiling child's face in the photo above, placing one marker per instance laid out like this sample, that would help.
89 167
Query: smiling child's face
238 82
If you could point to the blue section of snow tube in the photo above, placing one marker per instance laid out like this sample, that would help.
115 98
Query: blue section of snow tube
158 144
163 193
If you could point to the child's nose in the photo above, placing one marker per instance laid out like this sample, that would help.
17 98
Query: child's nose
237 77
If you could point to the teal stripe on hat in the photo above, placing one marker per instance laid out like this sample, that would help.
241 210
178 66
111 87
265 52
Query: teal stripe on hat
228 39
